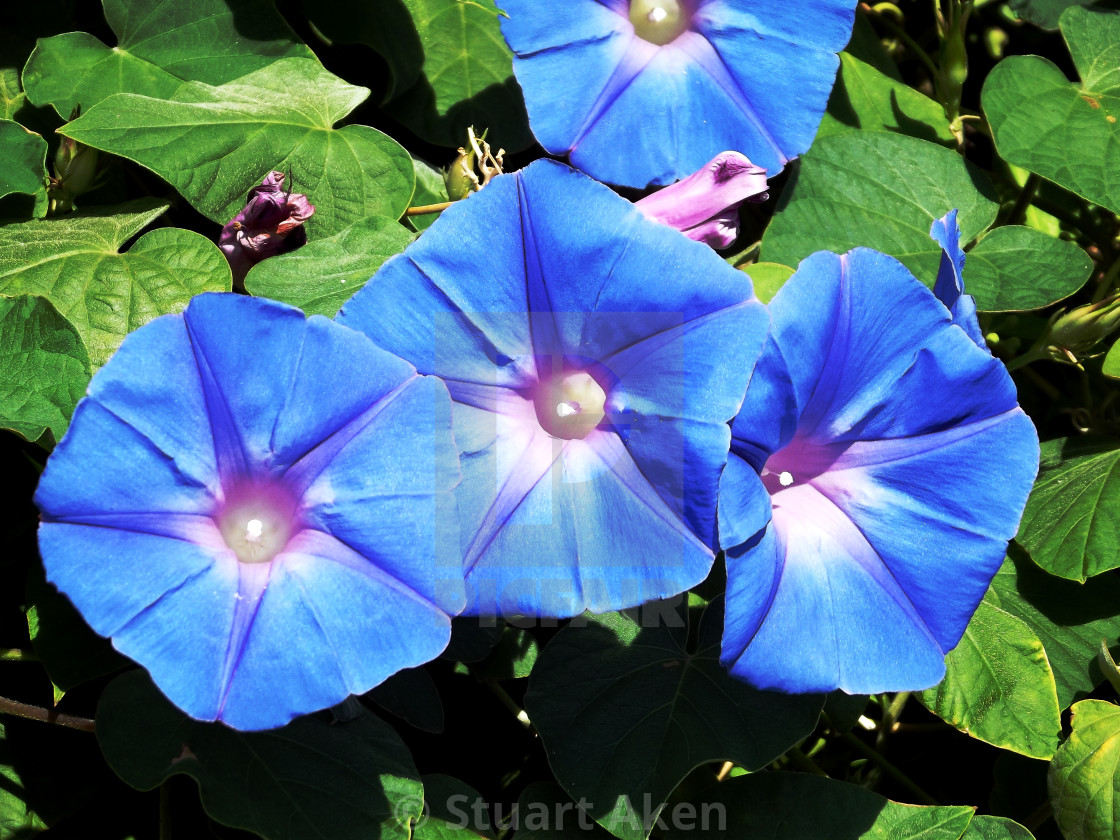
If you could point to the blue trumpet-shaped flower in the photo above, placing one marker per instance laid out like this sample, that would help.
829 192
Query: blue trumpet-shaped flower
897 463
594 359
644 92
254 506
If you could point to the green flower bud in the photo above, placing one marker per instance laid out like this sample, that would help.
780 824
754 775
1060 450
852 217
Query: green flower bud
1075 334
460 179
75 171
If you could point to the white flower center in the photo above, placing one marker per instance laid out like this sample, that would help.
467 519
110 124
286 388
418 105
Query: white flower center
570 405
659 21
257 522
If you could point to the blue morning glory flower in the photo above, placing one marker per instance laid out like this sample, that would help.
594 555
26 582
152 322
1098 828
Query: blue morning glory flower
897 463
594 359
644 92
257 509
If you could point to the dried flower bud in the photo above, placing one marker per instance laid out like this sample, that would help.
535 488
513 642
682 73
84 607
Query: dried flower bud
271 223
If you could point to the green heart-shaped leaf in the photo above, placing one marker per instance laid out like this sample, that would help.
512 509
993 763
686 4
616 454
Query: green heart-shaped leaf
998 686
879 190
1070 619
1016 268
160 46
214 143
626 710
347 780
466 78
23 160
864 98
1071 525
44 367
74 262
1067 133
325 273
1084 785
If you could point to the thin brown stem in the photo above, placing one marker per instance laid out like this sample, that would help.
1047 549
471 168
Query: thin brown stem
23 710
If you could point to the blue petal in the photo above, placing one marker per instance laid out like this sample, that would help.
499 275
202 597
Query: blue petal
325 395
949 287
245 389
173 616
744 503
587 532
564 25
635 114
169 408
835 619
939 509
824 25
457 295
594 283
107 473
673 142
386 493
308 641
782 87
851 329
886 528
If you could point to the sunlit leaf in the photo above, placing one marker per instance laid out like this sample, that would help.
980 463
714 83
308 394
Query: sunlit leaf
44 367
877 190
1066 132
160 45
214 143
1084 784
325 273
75 263
466 78
998 686
1017 268
23 157
864 98
1069 618
1071 525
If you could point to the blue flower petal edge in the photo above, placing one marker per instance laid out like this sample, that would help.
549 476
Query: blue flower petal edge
949 287
257 508
643 93
897 463
595 359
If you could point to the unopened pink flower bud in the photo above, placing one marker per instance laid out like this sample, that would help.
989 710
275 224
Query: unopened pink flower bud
271 223
705 205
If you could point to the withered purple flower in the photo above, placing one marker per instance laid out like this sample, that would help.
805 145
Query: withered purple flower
270 224
705 205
